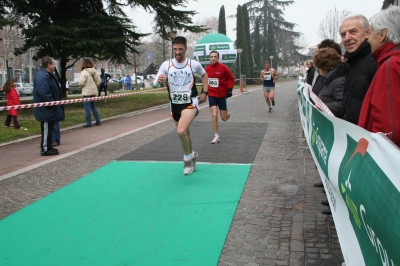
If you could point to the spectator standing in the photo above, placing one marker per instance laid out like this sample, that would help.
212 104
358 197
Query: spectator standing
123 82
46 88
183 96
318 81
380 110
220 84
105 77
56 136
12 96
310 71
128 82
89 80
330 66
354 32
269 76
66 87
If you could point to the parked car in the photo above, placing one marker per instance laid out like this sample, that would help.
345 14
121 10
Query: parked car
24 89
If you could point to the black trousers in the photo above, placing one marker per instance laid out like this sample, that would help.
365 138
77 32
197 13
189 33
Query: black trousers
101 88
14 119
47 129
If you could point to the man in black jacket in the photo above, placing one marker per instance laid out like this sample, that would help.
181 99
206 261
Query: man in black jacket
46 88
354 33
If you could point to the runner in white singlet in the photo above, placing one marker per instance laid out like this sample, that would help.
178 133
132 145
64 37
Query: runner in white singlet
179 74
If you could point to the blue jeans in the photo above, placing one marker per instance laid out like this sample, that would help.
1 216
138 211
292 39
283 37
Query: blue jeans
55 137
128 86
89 109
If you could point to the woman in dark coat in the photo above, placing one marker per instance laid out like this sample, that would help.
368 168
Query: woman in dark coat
330 66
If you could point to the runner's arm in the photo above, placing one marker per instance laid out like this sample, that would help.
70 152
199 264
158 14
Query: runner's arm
276 75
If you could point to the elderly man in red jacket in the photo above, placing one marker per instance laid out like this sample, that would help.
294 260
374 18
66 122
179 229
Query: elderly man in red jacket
220 84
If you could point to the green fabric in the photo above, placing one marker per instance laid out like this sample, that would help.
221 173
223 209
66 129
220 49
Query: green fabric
128 213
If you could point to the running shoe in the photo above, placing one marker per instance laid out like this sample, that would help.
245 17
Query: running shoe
270 110
194 159
215 140
189 167
273 102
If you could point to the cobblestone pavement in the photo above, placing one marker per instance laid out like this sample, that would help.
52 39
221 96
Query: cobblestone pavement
278 220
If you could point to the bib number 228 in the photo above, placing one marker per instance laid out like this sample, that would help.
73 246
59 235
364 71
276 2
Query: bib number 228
180 97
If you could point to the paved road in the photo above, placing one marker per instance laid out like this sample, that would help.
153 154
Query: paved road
278 220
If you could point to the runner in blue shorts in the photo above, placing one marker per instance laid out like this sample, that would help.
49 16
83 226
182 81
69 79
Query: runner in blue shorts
220 84
269 76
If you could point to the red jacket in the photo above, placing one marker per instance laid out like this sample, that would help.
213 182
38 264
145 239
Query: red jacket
219 74
13 99
380 111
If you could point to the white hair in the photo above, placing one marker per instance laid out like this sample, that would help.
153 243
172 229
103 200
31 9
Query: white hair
388 19
362 20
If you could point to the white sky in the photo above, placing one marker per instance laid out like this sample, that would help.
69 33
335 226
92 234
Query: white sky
307 14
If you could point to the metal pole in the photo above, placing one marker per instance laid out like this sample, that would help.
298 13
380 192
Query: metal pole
240 70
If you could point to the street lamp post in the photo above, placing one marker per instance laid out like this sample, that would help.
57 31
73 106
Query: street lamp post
9 62
271 57
172 35
239 51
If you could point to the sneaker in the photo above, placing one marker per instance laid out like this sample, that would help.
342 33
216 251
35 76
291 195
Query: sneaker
215 140
319 184
97 124
50 152
270 110
273 102
188 167
55 143
325 202
194 159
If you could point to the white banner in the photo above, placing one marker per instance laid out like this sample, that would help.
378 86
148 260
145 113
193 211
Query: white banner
360 171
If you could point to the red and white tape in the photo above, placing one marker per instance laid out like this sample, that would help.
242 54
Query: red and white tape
32 105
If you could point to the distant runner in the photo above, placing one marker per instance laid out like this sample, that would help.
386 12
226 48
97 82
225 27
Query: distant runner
269 76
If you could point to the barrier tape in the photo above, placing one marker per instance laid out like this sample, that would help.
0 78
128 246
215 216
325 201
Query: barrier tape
33 105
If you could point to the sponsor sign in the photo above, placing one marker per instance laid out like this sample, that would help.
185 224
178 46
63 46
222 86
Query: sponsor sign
360 171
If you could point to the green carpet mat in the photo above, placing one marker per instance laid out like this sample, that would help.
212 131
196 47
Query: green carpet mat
128 213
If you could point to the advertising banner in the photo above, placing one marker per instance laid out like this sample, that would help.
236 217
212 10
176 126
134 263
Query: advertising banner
361 175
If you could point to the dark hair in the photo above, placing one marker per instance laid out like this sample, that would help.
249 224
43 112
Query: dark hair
8 85
179 40
330 43
215 52
87 63
47 60
326 59
267 62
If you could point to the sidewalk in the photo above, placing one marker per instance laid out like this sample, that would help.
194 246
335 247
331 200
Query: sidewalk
278 220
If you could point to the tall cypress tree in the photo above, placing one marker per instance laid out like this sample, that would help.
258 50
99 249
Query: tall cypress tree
241 41
222 21
249 51
257 45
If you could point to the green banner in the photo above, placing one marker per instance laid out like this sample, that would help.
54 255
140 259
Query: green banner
360 171
219 47
373 204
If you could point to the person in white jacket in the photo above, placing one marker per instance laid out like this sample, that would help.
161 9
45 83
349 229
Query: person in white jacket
89 81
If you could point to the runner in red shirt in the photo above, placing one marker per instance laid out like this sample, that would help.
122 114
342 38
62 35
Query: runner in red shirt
220 84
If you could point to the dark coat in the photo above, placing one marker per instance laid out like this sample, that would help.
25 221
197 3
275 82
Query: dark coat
359 77
332 89
46 88
310 75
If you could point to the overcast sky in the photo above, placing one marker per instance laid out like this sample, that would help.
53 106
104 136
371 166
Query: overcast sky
307 14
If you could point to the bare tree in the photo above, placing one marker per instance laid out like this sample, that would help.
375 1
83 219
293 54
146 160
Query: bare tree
210 22
329 27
